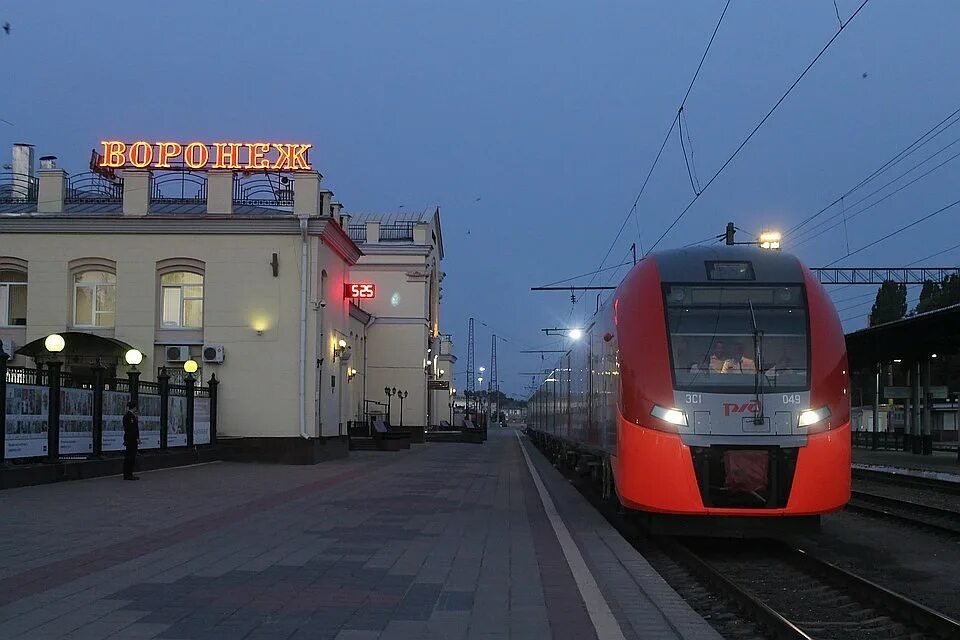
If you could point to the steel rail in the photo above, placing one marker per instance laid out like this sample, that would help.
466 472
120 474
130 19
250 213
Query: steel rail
881 506
903 480
921 615
749 604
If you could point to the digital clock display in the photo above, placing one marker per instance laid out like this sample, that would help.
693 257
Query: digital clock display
359 290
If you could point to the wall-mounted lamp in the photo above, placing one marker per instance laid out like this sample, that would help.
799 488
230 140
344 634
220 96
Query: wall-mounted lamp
259 326
351 373
341 350
442 372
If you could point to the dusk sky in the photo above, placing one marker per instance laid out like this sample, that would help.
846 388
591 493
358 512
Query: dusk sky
531 125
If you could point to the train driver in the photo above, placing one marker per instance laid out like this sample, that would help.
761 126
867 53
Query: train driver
739 363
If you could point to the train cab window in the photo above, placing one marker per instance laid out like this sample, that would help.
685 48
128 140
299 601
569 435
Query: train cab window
717 342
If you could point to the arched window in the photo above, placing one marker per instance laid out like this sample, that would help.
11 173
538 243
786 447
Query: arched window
181 295
13 292
94 298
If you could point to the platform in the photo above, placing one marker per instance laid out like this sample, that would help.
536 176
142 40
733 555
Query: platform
943 464
441 541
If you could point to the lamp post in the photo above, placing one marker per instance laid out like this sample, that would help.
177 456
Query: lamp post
402 395
3 403
54 344
133 357
190 367
389 392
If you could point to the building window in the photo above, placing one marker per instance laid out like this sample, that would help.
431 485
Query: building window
181 295
94 299
13 298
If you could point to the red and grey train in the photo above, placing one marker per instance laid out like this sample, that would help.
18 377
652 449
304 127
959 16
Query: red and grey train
713 390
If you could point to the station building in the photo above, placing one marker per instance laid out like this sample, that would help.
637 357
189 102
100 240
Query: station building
401 256
247 270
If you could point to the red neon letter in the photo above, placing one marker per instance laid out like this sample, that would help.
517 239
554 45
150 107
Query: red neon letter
113 153
141 154
196 155
228 155
300 157
255 153
167 150
285 157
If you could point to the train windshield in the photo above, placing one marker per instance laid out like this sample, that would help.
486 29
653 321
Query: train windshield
721 335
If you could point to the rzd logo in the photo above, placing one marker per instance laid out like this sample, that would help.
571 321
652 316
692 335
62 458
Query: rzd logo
747 407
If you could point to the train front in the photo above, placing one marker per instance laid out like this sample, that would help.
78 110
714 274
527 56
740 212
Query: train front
734 390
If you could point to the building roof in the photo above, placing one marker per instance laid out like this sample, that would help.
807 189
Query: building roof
394 217
165 208
910 338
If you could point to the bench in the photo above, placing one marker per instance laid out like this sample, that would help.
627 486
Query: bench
389 440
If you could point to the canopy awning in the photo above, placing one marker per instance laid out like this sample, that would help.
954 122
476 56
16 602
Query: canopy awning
79 345
913 338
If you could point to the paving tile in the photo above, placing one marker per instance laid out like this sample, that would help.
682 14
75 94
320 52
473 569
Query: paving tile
442 541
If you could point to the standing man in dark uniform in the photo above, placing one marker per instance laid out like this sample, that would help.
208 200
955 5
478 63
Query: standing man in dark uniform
131 437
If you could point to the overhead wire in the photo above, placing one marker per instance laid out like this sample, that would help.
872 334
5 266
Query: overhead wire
758 126
900 230
821 228
911 148
666 138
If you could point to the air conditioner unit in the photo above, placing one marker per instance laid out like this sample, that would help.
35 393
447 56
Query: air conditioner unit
213 353
180 353
9 346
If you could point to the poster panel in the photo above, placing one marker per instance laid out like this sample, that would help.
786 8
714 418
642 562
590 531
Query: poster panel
26 431
176 421
149 420
76 420
114 406
201 421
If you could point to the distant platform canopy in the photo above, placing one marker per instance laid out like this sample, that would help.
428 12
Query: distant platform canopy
908 339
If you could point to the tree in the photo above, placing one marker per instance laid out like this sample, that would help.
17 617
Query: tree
935 296
891 303
929 297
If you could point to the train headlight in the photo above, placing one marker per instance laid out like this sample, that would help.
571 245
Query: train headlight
813 416
673 416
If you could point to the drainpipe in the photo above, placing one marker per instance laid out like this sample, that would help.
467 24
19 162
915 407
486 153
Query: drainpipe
304 278
366 337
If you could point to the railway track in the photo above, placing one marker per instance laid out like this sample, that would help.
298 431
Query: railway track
943 521
902 480
795 595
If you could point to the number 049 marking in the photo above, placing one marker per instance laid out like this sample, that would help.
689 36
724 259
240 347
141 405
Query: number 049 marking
791 398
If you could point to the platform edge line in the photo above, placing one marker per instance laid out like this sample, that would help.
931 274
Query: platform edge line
602 618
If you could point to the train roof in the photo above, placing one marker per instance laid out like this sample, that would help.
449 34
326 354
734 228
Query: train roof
724 263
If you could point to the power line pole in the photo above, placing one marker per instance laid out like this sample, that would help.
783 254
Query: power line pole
493 385
471 380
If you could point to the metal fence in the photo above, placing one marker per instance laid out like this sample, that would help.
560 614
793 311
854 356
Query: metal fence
89 412
399 232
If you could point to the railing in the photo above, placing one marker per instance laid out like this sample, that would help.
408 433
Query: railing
89 412
179 187
17 188
900 441
263 190
399 232
93 188
358 232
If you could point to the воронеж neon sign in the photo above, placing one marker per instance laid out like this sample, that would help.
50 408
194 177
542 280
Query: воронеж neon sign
246 156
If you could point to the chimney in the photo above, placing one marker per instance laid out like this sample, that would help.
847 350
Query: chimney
23 169
325 197
48 162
